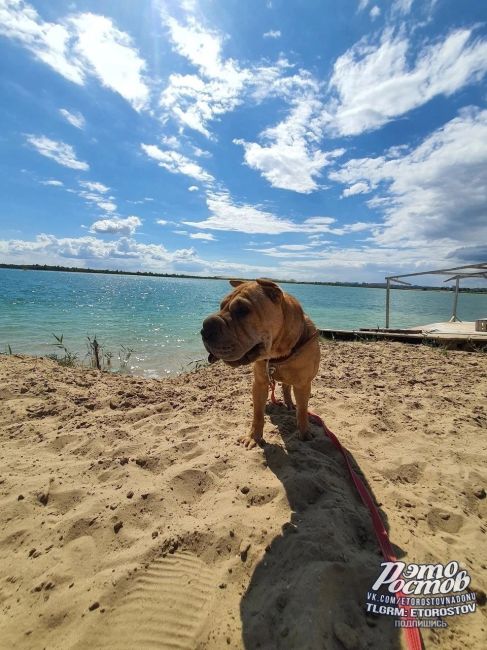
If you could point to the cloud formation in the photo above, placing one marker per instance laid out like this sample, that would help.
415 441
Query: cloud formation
435 192
79 46
116 226
61 152
205 236
290 157
53 183
219 84
176 163
94 186
227 215
96 193
123 252
373 84
75 119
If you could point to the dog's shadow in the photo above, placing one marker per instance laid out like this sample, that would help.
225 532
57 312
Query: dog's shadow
309 590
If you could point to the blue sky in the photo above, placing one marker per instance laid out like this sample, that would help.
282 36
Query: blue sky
308 139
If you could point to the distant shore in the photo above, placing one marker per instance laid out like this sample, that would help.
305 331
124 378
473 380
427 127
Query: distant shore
150 274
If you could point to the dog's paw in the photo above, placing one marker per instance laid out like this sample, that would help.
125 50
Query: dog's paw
249 442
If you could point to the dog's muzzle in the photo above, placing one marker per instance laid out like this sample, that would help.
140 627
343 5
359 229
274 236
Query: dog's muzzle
213 333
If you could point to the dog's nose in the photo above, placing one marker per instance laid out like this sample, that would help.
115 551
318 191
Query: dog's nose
212 327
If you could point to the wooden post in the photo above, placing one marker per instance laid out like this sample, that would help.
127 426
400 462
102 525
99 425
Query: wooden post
388 302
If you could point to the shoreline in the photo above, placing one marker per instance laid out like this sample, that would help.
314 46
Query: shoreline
118 490
358 285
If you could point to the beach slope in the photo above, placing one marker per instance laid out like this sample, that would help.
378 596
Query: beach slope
130 518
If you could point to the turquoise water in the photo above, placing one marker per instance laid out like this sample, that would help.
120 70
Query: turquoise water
160 318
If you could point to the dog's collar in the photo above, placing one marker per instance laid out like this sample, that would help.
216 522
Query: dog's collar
273 363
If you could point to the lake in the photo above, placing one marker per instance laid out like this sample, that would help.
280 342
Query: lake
160 318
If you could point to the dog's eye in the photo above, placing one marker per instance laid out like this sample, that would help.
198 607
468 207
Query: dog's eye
240 309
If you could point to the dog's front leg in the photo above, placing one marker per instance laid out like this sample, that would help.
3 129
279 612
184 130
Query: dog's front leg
260 389
301 395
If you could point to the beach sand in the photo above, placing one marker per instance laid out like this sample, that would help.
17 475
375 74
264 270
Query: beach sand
130 518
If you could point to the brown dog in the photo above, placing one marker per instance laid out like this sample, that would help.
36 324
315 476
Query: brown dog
261 324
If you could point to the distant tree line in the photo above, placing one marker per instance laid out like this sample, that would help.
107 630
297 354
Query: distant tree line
365 285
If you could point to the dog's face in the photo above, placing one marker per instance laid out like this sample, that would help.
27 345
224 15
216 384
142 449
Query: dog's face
248 321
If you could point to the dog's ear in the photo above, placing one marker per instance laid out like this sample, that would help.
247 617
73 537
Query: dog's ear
271 289
236 283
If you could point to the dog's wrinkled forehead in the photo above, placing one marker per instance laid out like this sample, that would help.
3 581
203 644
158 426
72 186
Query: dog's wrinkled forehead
248 295
240 301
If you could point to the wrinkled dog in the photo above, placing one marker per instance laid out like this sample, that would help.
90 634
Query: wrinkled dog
261 324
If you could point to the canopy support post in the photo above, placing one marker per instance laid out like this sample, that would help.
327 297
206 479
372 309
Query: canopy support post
388 302
454 318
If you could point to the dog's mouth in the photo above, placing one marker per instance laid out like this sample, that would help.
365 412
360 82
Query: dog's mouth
250 356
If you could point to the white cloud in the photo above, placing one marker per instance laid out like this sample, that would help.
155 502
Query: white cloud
61 152
53 182
356 188
294 247
162 222
373 84
110 54
205 236
227 215
201 153
119 253
195 100
94 192
176 163
116 226
290 159
362 5
402 6
271 81
220 84
170 141
94 186
108 206
281 252
435 193
374 12
362 263
49 42
81 45
103 203
193 188
75 119
273 33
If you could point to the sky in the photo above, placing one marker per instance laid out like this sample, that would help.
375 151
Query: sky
295 139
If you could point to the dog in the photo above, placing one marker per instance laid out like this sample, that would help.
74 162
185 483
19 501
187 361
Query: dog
259 323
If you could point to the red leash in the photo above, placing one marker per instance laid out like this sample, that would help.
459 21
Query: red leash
413 636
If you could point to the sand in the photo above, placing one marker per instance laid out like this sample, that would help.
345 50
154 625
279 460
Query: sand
129 518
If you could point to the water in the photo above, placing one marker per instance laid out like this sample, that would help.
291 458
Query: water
160 318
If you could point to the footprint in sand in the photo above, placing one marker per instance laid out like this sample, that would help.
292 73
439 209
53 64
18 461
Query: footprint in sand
407 473
448 522
188 449
190 484
165 607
